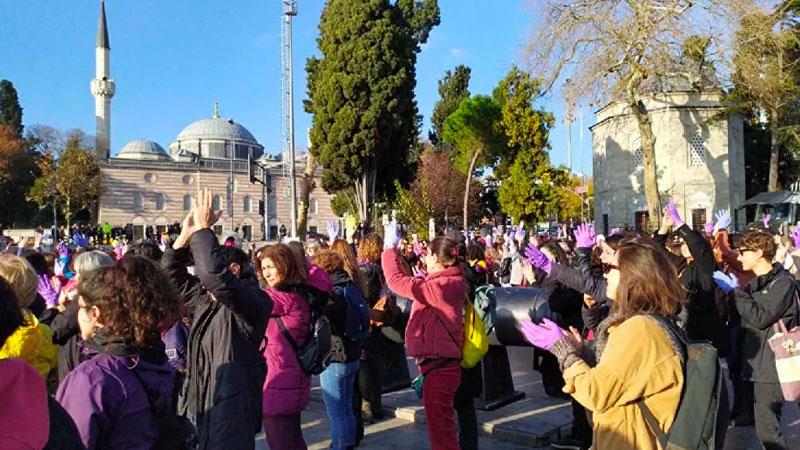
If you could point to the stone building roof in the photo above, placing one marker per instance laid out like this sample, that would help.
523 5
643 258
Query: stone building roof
143 150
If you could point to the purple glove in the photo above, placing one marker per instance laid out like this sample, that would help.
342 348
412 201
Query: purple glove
45 289
390 236
80 240
766 220
543 336
537 259
796 237
63 250
118 253
520 234
672 210
709 228
585 236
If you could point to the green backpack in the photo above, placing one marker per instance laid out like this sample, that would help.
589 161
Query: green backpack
695 425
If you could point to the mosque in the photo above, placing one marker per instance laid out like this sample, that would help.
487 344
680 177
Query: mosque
150 187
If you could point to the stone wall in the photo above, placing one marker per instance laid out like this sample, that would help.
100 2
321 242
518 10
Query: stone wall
679 120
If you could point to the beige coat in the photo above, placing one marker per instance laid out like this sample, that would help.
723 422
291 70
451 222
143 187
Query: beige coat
638 362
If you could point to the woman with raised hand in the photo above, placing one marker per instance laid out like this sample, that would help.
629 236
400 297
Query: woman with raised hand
435 331
115 397
638 356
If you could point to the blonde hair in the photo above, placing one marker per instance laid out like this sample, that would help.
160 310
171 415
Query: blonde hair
19 273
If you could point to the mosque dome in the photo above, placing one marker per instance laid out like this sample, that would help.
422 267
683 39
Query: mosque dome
216 128
143 150
214 138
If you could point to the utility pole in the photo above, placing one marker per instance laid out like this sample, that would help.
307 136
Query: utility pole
289 11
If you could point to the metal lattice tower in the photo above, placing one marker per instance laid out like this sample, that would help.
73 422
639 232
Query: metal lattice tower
287 103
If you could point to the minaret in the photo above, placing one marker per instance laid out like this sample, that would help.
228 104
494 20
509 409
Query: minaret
103 88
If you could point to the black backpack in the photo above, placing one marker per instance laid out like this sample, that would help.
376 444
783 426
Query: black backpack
175 432
314 355
695 423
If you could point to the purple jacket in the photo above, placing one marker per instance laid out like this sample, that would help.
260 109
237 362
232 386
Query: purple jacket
287 388
109 404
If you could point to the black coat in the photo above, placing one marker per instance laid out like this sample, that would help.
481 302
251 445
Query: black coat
336 310
582 279
223 393
703 321
66 334
761 303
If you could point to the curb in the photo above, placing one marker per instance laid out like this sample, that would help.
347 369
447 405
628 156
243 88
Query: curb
416 415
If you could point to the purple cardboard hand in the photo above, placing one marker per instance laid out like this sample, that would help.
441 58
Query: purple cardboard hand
537 259
80 240
766 219
585 236
672 210
63 250
543 336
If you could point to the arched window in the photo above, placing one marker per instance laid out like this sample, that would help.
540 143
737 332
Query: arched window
247 204
187 202
216 204
138 202
160 201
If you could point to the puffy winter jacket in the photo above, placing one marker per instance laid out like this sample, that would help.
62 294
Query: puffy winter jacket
32 343
435 329
225 364
287 388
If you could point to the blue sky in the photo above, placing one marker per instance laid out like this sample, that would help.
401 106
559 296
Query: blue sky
172 59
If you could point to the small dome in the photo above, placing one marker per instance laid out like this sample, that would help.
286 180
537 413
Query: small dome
216 128
143 150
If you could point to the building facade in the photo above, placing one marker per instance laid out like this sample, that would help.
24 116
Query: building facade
699 150
148 186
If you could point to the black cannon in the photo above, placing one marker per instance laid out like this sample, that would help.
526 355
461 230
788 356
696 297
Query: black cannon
513 305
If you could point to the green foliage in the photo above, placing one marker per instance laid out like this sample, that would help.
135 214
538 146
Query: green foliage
474 129
10 110
361 93
343 203
453 88
17 172
73 171
412 211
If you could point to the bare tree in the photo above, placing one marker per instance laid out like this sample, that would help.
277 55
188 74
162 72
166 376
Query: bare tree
308 184
620 50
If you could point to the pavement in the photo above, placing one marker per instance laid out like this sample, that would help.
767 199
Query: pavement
528 423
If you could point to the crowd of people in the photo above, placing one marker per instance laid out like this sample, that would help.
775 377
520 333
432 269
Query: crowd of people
185 342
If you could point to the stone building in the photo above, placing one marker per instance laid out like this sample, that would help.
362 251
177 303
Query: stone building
699 158
148 186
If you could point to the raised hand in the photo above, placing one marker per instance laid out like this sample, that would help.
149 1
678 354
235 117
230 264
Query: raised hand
766 219
537 259
543 336
796 237
63 250
46 290
723 217
727 283
520 234
390 235
709 227
672 210
204 214
333 230
585 236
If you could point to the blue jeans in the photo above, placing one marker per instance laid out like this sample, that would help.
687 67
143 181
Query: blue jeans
338 381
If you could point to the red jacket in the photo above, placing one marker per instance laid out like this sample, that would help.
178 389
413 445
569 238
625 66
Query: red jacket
436 326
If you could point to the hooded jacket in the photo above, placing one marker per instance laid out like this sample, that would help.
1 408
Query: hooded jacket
32 343
761 303
225 363
287 388
336 310
435 329
24 420
106 400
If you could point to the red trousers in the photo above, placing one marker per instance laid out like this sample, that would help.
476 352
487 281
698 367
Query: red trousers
438 392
